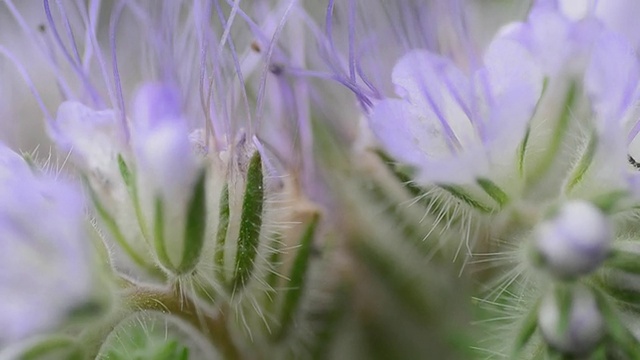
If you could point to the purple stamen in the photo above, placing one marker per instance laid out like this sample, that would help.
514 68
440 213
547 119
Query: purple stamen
237 67
351 31
46 51
115 17
269 55
76 66
91 25
27 79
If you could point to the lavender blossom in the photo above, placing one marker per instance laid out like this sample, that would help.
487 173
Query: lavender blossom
44 240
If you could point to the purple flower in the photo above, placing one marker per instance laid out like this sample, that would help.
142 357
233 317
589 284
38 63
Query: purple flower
45 261
454 127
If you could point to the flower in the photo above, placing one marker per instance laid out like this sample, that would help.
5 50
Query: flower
46 260
454 128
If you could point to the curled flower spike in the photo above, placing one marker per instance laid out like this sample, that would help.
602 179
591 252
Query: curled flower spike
575 241
584 327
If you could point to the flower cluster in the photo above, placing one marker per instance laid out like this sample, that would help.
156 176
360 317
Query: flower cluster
348 179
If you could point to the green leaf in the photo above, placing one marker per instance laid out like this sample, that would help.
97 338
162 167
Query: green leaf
195 226
250 223
221 235
297 278
494 191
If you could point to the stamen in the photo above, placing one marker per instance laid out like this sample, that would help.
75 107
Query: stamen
83 76
351 30
236 63
27 79
115 17
89 19
269 55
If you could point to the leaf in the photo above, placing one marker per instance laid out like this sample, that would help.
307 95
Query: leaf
250 223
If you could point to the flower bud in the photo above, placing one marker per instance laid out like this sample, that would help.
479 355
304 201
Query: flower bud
584 324
575 242
169 176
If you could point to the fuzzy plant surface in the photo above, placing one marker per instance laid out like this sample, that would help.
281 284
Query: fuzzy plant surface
335 179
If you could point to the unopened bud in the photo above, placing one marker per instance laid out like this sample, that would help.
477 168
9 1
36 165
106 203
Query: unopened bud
575 242
584 326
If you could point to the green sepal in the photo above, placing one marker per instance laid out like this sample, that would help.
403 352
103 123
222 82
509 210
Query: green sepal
403 176
624 260
617 332
119 237
195 226
522 150
297 278
527 329
250 223
327 322
583 165
221 234
494 191
563 298
400 281
128 177
126 174
158 235
461 194
559 133
607 202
